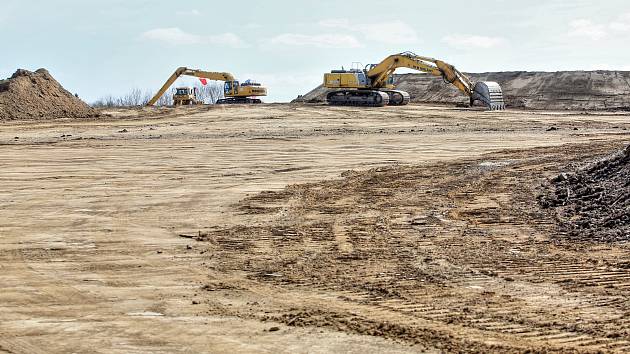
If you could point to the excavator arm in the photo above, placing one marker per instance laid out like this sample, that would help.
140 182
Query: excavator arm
488 92
189 72
380 72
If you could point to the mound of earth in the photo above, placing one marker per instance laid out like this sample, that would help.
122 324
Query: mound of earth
563 90
593 203
35 95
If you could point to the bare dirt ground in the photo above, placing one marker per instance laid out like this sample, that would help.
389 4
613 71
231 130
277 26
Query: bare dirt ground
433 241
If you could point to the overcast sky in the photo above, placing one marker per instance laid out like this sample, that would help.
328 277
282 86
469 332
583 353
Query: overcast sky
102 47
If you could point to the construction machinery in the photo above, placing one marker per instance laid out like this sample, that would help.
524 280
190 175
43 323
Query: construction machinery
185 96
234 92
373 86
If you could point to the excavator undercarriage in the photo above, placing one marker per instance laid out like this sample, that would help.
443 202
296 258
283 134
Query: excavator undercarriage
238 100
368 98
397 97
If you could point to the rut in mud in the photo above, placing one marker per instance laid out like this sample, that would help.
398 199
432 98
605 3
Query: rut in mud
452 256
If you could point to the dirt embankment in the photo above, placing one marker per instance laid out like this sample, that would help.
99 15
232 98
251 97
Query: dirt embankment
593 203
562 90
35 95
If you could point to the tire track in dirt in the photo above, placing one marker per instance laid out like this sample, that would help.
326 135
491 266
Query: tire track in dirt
461 246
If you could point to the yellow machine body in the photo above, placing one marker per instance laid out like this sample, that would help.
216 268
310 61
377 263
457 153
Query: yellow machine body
350 79
245 89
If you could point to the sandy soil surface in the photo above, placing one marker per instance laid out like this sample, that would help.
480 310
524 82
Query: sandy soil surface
432 242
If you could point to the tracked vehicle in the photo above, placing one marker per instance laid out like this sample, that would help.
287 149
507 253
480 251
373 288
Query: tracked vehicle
373 85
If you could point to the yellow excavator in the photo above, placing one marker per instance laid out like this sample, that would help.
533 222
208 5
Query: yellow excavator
373 86
233 91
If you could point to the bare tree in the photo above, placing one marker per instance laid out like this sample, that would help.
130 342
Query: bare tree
207 94
165 100
135 97
210 93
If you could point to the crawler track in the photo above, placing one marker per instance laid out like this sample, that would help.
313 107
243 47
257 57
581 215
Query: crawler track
238 100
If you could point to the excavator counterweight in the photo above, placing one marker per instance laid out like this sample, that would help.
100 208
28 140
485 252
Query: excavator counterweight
360 87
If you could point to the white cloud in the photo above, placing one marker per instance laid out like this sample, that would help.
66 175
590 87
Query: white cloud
587 28
175 35
622 24
469 41
335 23
319 40
229 39
172 35
395 32
192 12
606 66
346 33
253 25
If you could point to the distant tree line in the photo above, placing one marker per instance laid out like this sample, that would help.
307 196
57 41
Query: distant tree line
207 94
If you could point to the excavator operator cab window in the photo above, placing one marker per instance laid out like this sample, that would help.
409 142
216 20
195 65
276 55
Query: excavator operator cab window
362 78
390 80
230 87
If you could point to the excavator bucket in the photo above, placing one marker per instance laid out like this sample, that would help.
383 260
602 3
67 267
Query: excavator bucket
489 93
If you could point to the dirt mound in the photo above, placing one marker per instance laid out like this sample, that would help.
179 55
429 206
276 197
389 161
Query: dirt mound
563 90
594 203
34 95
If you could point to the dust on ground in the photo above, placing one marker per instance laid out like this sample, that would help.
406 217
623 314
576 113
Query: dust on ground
401 229
37 95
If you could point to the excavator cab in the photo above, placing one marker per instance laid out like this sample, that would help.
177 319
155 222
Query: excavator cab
231 88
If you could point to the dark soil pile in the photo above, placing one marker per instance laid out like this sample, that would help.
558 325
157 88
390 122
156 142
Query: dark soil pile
37 95
594 203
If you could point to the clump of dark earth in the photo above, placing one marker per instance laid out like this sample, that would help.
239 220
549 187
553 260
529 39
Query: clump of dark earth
37 95
593 203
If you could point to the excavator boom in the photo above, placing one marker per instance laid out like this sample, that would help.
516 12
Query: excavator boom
378 77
